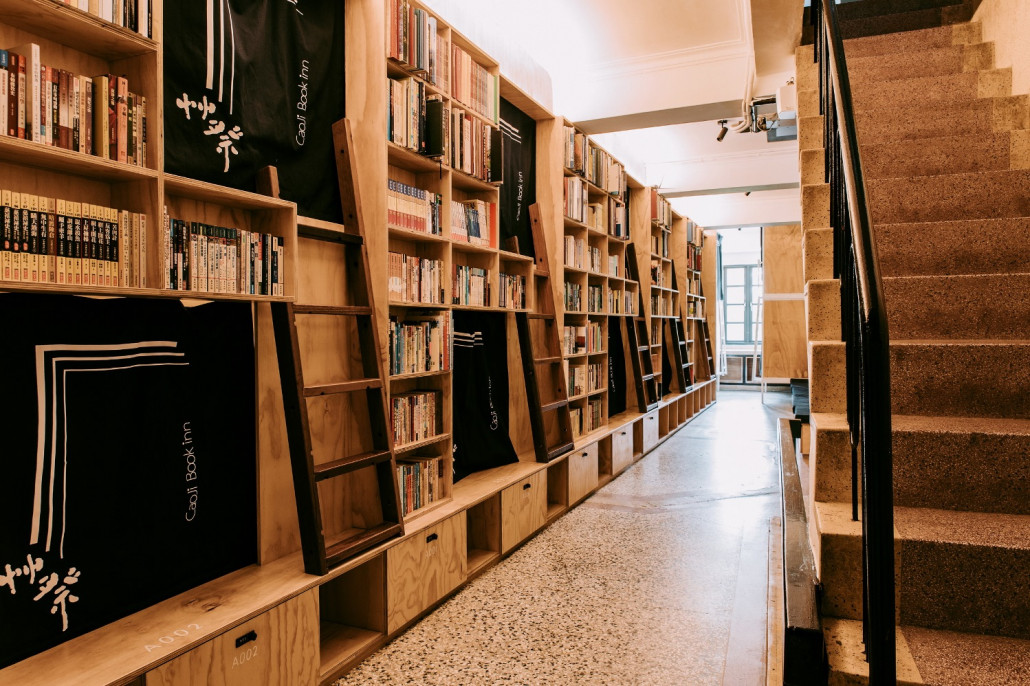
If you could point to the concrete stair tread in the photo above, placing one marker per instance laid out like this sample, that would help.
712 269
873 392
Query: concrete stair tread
952 59
913 40
945 658
963 342
904 21
978 246
846 654
958 425
971 116
964 153
928 91
984 529
950 196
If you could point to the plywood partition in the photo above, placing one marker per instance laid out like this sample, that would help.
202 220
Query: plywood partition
784 348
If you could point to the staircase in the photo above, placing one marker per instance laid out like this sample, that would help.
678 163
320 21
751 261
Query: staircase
946 153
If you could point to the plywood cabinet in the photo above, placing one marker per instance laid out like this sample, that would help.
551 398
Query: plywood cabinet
277 647
424 568
523 510
622 448
582 472
650 430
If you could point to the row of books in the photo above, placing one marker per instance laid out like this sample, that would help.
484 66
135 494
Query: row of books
693 257
695 308
512 292
135 15
91 115
693 285
413 39
574 340
475 222
595 376
472 145
661 210
575 196
573 297
471 286
594 259
614 262
474 86
695 234
618 301
607 216
57 241
660 244
421 480
421 342
658 273
412 209
661 305
574 251
414 119
577 379
219 259
595 299
574 149
414 416
590 418
413 279
605 171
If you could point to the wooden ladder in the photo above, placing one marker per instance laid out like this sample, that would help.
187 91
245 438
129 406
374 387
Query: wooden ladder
677 344
648 393
540 347
318 556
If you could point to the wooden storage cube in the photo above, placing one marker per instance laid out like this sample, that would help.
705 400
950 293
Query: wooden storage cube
557 488
523 510
650 434
465 255
520 266
638 439
352 615
622 448
582 473
483 540
196 201
438 445
664 419
423 568
604 459
277 647
423 248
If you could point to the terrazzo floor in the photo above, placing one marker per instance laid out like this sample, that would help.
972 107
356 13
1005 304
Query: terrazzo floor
658 578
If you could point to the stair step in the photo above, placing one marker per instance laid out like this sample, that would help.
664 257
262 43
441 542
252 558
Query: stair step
876 8
845 652
962 463
982 195
979 246
960 154
906 122
979 378
913 40
331 470
953 59
964 571
989 306
945 658
905 21
929 91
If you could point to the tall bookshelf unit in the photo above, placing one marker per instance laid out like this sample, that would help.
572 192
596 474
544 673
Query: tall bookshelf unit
310 629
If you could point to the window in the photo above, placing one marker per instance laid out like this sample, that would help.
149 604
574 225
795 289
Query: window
742 287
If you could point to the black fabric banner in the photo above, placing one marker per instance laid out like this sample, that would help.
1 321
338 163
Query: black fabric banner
518 192
481 439
251 83
616 367
129 468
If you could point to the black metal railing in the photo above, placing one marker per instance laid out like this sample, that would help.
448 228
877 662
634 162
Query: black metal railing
866 340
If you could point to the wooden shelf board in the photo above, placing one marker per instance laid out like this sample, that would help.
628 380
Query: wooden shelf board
415 445
597 352
596 275
395 67
52 158
571 223
597 391
124 292
477 559
508 256
418 306
484 308
222 195
574 356
416 236
464 246
415 515
341 643
85 32
405 158
575 313
464 181
592 436
555 510
419 375
516 96
574 270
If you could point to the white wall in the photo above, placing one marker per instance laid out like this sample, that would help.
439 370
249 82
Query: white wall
1007 23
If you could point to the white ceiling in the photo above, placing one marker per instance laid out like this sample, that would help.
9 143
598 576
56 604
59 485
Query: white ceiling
649 79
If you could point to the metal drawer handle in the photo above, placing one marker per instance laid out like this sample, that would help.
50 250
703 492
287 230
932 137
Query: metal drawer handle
526 486
246 638
432 537
585 454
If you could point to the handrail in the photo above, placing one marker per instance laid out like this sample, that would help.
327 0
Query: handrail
867 344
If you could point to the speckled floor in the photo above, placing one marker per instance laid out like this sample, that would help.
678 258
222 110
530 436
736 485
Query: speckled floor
659 578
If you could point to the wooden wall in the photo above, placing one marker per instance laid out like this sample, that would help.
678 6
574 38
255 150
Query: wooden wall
784 348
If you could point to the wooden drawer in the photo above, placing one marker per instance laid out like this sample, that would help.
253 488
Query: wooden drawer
277 647
650 429
424 568
622 449
523 510
582 473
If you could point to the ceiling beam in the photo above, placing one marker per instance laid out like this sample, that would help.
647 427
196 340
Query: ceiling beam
736 189
712 111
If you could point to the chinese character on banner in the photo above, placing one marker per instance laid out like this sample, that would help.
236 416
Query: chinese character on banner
227 138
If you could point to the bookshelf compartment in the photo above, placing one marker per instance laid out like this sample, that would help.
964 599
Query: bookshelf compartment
474 280
583 472
483 542
352 615
423 568
418 273
557 489
77 29
622 449
664 419
279 646
604 460
523 510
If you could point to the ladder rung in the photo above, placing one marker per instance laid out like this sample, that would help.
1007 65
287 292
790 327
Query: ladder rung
539 315
318 230
342 311
557 404
336 468
643 348
548 360
559 450
342 387
648 377
341 550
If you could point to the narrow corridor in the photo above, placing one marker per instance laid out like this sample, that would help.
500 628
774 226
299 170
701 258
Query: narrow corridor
659 578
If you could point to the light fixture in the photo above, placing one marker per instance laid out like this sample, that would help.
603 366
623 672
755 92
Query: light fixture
722 130
747 193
